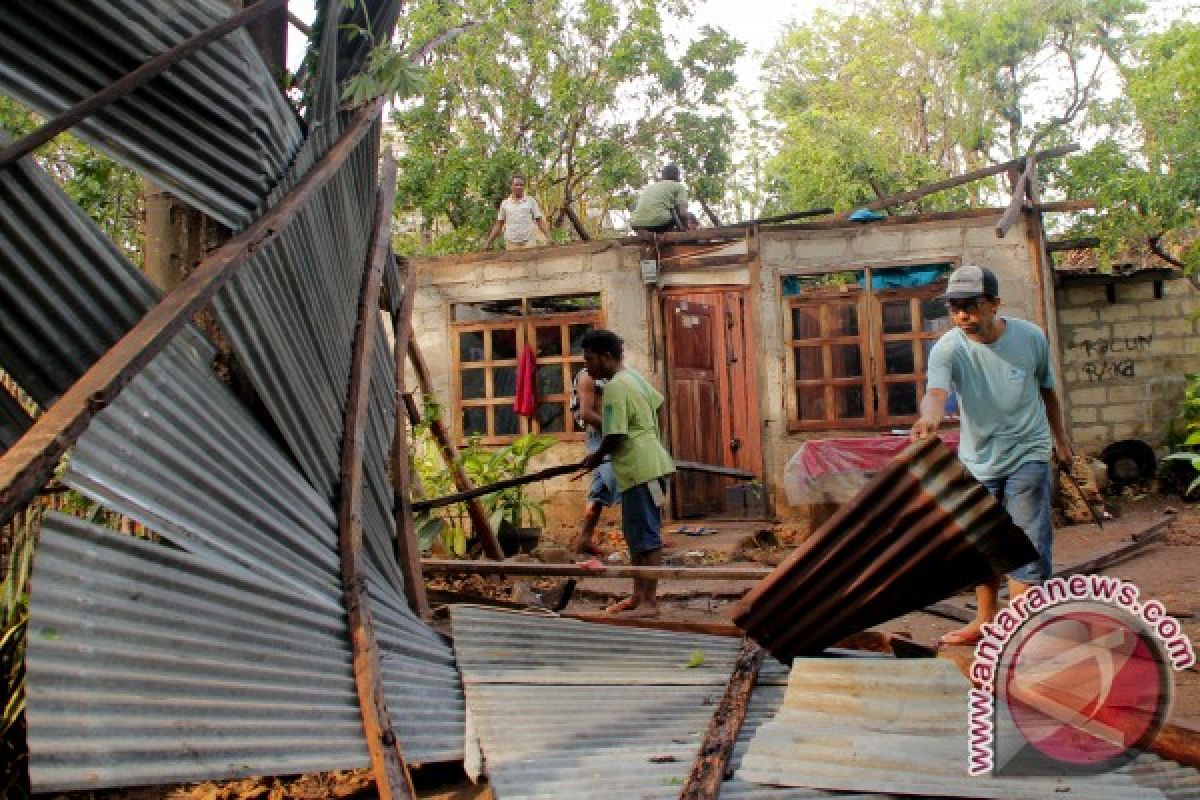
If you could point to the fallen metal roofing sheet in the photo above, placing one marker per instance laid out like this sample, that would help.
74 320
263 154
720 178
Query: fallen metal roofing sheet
213 129
900 727
563 708
14 421
920 531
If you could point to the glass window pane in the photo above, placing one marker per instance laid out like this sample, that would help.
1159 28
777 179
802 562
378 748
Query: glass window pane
845 320
474 420
549 380
810 402
474 384
576 333
808 364
504 382
847 361
935 317
549 341
504 344
849 402
902 399
898 358
806 322
551 417
507 421
470 346
897 316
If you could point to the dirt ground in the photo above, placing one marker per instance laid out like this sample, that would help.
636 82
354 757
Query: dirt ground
1166 570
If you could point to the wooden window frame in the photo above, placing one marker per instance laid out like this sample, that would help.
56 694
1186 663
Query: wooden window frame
525 327
872 342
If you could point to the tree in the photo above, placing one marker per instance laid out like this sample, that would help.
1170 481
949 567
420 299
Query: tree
585 96
903 93
1146 175
109 193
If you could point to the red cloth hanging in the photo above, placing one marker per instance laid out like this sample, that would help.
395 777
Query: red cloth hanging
525 403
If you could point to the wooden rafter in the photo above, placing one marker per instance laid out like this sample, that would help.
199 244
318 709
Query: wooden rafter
31 461
387 761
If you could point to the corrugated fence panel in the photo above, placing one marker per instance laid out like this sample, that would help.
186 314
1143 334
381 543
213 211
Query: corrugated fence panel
900 726
151 665
563 708
213 129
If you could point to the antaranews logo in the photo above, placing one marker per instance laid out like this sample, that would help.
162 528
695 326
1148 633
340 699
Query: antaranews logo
1074 677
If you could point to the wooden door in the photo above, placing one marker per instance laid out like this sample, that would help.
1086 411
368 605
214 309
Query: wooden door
711 393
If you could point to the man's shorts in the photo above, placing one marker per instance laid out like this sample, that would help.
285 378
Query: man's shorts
641 518
603 488
1025 495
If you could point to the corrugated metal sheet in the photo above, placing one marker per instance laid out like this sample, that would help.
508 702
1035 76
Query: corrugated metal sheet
214 129
900 726
564 708
13 420
920 531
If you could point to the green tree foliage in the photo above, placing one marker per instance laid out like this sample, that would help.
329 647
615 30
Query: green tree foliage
1146 175
109 193
901 93
586 97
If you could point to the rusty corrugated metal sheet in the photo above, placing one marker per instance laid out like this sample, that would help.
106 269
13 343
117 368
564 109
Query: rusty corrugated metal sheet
900 727
920 531
563 708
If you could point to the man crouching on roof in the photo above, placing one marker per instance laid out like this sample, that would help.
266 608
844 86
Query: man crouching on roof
640 463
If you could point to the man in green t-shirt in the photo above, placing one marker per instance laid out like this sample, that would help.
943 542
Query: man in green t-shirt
640 463
663 205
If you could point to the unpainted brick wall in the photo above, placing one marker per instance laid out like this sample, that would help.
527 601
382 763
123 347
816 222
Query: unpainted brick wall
1124 363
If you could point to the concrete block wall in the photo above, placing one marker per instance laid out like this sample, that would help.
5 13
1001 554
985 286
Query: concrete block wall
1124 363
549 271
960 241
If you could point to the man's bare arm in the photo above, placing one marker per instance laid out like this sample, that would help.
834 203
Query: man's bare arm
589 401
933 410
1054 415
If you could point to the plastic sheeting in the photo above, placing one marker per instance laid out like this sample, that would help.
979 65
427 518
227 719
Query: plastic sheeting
834 470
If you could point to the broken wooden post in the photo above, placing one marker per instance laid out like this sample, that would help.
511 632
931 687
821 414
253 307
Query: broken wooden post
408 550
29 463
708 770
479 518
1019 196
387 761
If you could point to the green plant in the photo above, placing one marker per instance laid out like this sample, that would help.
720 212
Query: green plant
514 505
14 618
1183 463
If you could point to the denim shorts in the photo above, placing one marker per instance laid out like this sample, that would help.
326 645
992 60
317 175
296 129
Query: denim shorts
603 488
641 518
1025 495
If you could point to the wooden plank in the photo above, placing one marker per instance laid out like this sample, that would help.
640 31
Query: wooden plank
528 254
421 506
1066 205
1019 196
29 463
534 569
479 518
387 761
1079 243
966 177
407 548
1178 743
131 81
712 761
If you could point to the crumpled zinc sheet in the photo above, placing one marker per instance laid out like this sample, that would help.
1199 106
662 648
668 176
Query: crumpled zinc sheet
834 470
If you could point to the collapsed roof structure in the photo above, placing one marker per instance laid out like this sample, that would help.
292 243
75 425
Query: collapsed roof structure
260 636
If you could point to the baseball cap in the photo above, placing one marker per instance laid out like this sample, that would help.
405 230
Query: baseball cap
970 281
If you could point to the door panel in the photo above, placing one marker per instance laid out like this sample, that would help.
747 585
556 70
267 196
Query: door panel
711 394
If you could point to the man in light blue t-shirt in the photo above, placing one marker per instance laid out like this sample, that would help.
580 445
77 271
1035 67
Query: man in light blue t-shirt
1011 419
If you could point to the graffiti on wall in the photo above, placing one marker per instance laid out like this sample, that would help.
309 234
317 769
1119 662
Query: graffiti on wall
1112 357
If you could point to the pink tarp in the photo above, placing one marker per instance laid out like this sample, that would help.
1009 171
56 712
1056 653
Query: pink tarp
833 470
